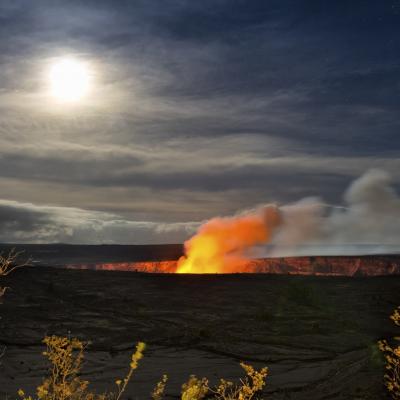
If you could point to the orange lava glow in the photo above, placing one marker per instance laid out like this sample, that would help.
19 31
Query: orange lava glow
141 266
220 244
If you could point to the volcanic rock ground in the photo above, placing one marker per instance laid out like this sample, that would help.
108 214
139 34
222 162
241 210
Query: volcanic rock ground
316 334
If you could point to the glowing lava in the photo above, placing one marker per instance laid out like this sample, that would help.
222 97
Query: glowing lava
220 245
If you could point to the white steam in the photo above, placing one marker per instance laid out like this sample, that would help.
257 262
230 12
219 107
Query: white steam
369 222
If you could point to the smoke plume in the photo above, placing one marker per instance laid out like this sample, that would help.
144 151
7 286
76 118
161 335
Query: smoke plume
368 222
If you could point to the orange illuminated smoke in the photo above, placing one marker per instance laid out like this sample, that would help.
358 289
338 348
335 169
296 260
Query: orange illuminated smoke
221 244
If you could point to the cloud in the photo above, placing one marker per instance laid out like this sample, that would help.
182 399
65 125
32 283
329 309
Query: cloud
198 108
29 223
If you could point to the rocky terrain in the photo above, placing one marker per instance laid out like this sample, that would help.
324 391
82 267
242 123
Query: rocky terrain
317 334
371 265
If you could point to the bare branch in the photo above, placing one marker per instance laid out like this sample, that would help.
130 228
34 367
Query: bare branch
9 262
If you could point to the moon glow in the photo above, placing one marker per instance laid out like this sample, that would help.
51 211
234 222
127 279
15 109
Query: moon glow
69 80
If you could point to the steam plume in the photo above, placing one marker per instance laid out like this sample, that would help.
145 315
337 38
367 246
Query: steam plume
371 216
221 243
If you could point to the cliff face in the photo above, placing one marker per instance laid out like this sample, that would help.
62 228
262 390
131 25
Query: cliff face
371 265
145 266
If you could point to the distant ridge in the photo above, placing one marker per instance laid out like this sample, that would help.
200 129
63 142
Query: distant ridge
58 254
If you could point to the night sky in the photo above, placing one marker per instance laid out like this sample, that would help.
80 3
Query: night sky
195 109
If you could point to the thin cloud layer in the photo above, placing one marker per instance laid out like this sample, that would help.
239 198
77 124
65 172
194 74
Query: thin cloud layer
29 223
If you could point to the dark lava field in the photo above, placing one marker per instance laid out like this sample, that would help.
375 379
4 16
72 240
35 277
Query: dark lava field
317 335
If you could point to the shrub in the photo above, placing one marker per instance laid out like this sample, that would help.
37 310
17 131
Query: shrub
392 355
8 263
195 389
158 391
252 384
249 387
64 383
66 357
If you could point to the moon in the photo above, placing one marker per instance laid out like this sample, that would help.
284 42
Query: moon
69 80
